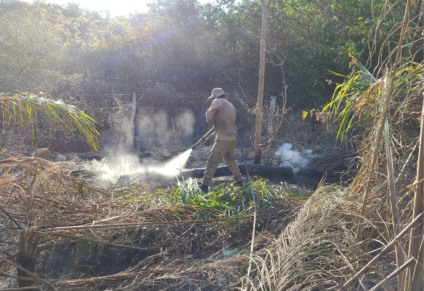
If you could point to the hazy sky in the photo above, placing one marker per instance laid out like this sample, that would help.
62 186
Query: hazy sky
115 7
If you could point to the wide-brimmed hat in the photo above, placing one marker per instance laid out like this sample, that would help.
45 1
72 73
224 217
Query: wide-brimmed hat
216 92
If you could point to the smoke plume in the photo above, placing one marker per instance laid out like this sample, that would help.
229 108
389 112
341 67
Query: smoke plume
153 131
156 129
290 157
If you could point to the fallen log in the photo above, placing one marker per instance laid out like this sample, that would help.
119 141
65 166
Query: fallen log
268 172
252 170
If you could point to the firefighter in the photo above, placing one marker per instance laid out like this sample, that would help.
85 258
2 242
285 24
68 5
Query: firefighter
222 115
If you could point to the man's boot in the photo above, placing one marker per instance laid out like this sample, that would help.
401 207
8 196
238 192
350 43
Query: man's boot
204 188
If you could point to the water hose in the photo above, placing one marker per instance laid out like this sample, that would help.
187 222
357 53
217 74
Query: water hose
203 138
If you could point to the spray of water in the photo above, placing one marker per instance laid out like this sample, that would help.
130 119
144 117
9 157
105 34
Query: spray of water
173 167
153 131
111 169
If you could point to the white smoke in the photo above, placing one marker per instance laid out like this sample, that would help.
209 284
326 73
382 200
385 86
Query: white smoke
290 157
185 123
154 131
157 129
153 128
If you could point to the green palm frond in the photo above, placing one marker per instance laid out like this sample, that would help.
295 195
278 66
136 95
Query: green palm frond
23 109
224 199
355 100
228 200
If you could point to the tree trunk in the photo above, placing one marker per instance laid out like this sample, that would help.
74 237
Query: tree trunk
134 122
261 85
270 141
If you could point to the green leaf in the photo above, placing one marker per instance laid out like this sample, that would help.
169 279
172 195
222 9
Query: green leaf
23 109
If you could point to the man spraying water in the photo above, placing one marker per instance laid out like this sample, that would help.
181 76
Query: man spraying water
222 115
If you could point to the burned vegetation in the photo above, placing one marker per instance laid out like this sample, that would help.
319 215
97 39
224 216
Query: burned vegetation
67 234
62 231
67 227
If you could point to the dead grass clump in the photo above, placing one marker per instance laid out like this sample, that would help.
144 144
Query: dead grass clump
317 250
35 195
59 232
187 250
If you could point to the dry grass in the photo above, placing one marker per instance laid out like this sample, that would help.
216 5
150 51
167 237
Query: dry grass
129 238
316 250
61 233
340 230
72 236
75 236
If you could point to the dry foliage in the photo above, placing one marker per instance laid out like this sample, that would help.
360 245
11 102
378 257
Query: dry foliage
60 233
72 236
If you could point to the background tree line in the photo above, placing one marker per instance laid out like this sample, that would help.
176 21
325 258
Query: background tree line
181 49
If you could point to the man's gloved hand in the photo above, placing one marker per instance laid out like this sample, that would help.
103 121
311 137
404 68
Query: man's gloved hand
210 139
207 139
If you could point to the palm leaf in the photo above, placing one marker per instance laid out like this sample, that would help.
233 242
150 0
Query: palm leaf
22 109
354 98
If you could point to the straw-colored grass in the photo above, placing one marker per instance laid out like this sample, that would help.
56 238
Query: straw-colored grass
82 237
356 238
62 233
316 250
